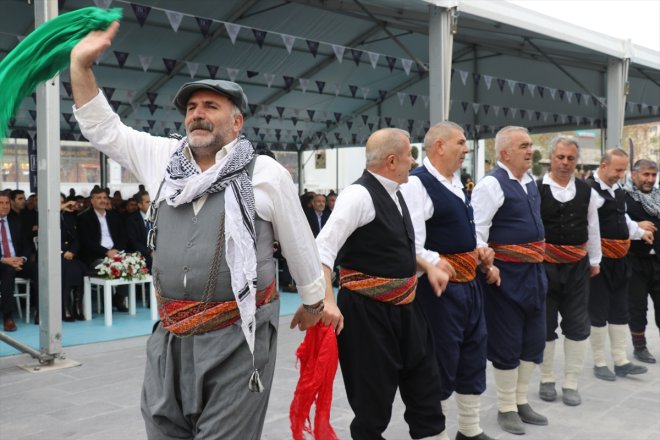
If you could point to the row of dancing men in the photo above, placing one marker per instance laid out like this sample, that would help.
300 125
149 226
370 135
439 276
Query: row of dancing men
492 275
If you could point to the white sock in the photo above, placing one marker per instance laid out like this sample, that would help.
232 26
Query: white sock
547 371
505 382
468 414
525 371
619 337
574 352
597 338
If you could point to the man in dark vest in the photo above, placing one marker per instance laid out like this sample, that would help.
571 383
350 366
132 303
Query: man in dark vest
572 256
643 204
444 235
507 217
608 297
387 342
210 361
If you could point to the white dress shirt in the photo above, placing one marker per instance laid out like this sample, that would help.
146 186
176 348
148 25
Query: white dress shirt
634 231
487 199
567 194
353 209
275 194
106 238
421 208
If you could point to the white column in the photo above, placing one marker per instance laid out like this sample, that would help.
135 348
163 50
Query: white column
442 26
617 91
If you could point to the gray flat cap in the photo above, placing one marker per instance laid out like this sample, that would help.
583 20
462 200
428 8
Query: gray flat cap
230 89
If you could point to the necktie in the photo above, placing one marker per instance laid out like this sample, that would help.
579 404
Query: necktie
5 241
318 217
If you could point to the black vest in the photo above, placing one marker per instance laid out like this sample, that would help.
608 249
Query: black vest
384 247
565 223
612 215
637 213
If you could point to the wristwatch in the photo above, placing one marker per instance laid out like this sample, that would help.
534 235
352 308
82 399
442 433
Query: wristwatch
314 309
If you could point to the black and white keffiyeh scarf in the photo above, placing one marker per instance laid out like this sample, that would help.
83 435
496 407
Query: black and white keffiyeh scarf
184 183
650 201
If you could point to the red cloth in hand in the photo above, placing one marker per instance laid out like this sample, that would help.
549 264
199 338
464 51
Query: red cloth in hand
318 358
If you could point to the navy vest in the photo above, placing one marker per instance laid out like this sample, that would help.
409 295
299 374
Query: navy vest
450 230
384 247
519 219
565 223
612 215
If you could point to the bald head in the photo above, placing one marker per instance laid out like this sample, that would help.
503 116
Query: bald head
389 154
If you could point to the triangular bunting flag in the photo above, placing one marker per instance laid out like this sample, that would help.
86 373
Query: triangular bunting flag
532 89
204 25
232 73
192 68
280 110
151 96
288 41
500 84
251 73
253 109
169 64
304 83
541 90
365 118
475 107
177 125
141 13
353 89
365 92
505 111
357 56
407 64
288 82
382 94
464 105
488 80
108 92
67 116
412 98
270 77
313 47
174 19
486 107
337 117
339 52
578 97
569 97
145 61
213 70
496 110
121 57
311 114
373 58
538 115
294 120
425 99
371 126
151 123
152 108
67 87
349 124
320 85
267 118
402 97
476 78
103 4
259 37
512 85
562 93
391 61
232 31
464 76
553 92
522 87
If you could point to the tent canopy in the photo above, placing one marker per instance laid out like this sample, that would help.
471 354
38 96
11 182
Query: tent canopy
326 73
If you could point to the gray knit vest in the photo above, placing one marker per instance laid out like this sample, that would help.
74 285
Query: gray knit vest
185 244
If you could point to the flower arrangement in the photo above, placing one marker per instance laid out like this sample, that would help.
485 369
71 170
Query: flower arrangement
124 266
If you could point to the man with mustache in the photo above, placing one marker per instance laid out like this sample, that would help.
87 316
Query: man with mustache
572 255
444 236
217 210
643 203
608 292
507 217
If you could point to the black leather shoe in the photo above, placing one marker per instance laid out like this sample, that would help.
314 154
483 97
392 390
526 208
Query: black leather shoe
547 391
510 422
604 373
643 355
629 368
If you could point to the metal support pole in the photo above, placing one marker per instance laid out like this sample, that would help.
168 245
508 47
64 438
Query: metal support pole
617 91
48 177
442 27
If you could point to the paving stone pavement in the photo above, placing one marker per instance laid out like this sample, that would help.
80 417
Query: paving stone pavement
99 400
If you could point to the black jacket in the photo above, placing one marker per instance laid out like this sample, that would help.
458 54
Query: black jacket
89 233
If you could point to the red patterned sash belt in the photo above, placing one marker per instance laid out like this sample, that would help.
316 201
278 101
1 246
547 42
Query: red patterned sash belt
565 253
186 317
613 248
465 265
520 253
398 291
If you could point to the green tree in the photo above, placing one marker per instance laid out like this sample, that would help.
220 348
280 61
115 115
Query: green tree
537 169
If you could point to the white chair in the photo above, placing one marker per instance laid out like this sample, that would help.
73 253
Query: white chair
25 293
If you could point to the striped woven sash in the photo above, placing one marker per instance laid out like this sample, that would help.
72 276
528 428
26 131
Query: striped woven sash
397 291
613 248
564 253
519 253
186 317
465 265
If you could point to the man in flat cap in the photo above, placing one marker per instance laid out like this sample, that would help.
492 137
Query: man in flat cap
210 362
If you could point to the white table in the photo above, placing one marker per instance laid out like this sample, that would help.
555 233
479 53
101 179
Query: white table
107 285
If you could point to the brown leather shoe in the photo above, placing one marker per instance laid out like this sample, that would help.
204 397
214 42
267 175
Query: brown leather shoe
10 325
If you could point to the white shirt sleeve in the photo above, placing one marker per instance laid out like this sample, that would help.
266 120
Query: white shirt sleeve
354 208
421 209
487 199
593 228
276 199
634 231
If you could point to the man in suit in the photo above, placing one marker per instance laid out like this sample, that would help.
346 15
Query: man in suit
101 234
14 261
317 216
137 227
